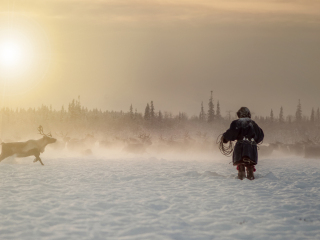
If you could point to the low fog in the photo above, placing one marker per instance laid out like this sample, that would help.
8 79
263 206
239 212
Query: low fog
83 132
137 157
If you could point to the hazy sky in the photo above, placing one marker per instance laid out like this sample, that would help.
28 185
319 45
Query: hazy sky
263 54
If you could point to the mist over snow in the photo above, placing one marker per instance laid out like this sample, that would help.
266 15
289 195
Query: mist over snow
148 197
116 175
136 157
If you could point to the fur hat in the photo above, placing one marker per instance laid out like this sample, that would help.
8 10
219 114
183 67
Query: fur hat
244 112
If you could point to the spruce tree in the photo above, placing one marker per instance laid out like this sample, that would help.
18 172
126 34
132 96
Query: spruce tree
218 114
202 115
131 111
62 114
312 116
160 116
211 109
281 118
74 109
299 112
147 112
271 116
152 114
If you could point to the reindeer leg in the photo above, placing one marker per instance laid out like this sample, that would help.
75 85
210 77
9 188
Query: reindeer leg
39 159
37 155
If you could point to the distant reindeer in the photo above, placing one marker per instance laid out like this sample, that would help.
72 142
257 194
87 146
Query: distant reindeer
138 147
312 148
28 148
82 145
61 143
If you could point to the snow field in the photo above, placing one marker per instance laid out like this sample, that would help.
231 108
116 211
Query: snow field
156 198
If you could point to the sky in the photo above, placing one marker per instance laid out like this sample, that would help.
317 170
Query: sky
262 54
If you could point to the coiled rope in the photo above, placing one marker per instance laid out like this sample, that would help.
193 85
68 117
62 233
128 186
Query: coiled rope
225 148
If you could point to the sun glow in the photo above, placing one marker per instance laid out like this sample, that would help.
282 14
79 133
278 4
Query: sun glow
24 55
16 56
10 54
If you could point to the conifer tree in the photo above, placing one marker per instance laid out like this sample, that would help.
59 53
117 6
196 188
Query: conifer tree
152 114
131 111
202 115
135 113
271 116
147 112
218 114
281 118
312 116
160 116
299 112
74 109
62 114
211 109
318 115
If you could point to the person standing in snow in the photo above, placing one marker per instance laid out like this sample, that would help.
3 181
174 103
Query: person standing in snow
248 134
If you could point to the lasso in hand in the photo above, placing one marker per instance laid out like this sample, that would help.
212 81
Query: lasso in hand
225 148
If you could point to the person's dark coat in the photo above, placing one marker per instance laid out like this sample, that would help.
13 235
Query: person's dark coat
248 134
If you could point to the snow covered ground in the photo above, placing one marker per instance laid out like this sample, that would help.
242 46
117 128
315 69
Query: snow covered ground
158 198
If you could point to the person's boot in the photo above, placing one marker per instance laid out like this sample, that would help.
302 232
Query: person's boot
250 172
241 171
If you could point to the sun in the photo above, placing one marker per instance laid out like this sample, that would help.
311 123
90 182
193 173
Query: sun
11 54
16 56
25 54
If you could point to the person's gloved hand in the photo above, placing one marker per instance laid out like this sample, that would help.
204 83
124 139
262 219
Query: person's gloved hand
224 140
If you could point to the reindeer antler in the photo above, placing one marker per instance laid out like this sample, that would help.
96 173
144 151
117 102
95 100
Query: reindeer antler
40 129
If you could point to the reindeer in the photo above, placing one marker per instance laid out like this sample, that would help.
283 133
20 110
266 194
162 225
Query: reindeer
138 147
28 148
62 142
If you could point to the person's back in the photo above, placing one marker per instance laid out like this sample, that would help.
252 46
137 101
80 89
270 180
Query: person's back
248 134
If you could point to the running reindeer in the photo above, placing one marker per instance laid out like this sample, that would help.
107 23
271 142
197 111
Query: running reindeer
28 148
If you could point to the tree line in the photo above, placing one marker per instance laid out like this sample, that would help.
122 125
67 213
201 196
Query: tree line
76 118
